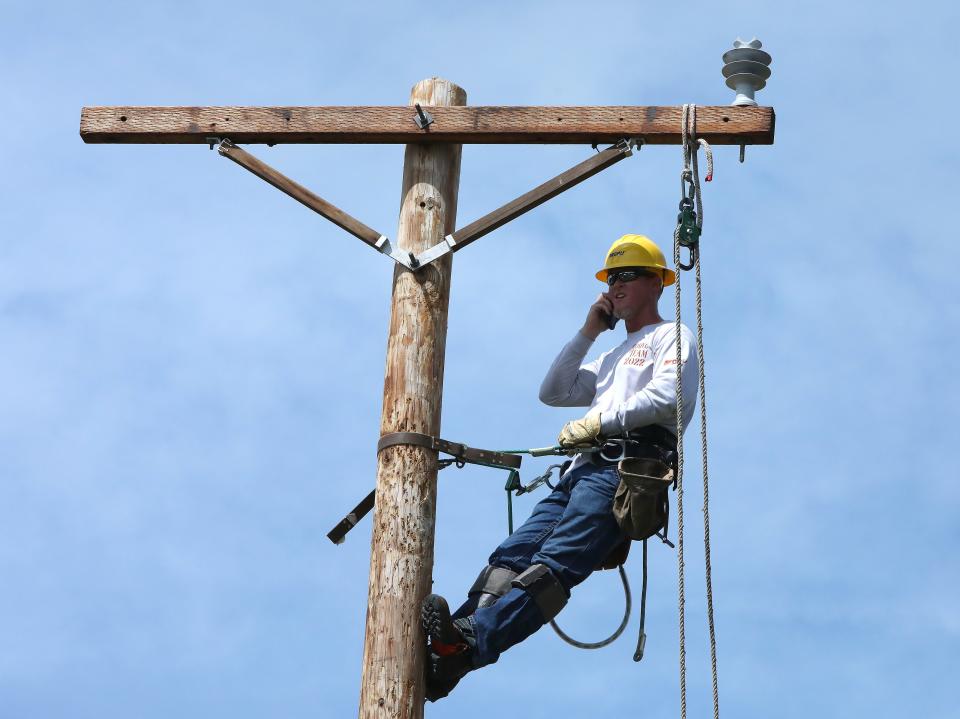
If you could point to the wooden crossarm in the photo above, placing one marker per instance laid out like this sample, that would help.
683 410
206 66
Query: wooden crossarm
723 125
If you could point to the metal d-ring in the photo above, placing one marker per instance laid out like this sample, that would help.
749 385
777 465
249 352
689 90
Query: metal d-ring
615 441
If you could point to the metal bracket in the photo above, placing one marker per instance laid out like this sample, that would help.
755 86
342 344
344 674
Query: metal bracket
423 118
629 144
215 141
401 257
438 250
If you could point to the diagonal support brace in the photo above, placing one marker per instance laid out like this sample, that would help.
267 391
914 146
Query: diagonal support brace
526 202
452 242
316 203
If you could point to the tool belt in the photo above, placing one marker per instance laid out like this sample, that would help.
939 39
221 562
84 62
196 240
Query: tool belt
646 461
650 442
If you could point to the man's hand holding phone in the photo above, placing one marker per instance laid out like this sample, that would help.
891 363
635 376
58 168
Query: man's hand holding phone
600 317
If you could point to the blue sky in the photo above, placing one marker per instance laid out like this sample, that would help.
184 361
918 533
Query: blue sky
191 363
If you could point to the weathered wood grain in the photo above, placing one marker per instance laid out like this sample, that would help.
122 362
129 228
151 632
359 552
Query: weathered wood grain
401 557
722 125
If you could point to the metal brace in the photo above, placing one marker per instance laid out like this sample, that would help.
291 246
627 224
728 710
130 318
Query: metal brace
401 257
629 144
423 118
438 250
405 258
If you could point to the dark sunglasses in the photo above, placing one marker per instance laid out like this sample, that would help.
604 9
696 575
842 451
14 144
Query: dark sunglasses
626 276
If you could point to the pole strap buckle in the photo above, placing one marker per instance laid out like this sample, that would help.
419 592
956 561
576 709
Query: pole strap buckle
460 452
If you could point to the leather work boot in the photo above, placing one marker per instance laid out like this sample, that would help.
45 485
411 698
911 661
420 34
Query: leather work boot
450 647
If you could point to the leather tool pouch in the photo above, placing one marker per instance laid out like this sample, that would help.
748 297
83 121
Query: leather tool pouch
640 504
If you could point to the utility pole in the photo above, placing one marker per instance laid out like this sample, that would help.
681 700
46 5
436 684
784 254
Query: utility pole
401 557
401 562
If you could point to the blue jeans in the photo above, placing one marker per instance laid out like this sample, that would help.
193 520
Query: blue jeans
571 532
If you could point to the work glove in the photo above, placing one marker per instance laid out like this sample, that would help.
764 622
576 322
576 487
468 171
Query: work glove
580 431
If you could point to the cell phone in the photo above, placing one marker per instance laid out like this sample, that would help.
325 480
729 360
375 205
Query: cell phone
611 320
608 316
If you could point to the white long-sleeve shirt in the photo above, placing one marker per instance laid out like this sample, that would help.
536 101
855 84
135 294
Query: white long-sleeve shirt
632 385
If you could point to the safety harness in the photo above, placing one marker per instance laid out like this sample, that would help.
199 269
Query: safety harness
609 452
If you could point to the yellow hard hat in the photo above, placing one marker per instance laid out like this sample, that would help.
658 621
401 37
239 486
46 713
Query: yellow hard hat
636 251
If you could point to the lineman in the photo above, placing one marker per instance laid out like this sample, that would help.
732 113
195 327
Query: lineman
631 393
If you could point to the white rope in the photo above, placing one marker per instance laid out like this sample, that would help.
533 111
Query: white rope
680 566
685 176
691 175
706 498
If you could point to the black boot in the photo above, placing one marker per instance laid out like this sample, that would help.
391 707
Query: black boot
450 647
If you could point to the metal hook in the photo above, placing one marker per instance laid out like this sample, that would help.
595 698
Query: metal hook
542 479
694 251
687 188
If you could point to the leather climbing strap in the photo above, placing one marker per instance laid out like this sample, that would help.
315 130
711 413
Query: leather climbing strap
461 453
338 533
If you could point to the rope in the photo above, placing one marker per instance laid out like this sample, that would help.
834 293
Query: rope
690 175
706 499
680 565
686 176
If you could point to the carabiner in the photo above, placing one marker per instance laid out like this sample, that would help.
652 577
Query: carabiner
694 253
686 184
